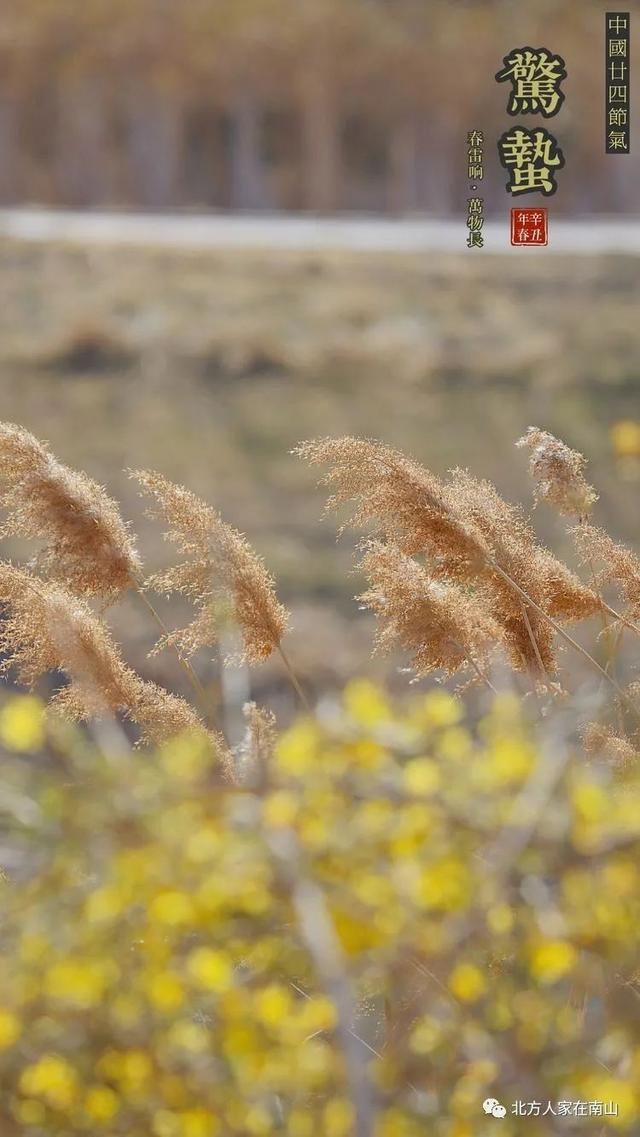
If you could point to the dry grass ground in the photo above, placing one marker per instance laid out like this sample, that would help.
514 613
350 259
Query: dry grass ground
212 366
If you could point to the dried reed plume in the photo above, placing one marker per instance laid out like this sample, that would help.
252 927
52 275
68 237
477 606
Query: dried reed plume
516 555
47 629
601 741
468 533
404 502
435 619
88 546
559 473
567 598
220 565
253 756
621 566
529 637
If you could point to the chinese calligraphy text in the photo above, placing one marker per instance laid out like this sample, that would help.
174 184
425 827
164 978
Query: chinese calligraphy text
535 76
529 226
530 156
475 172
616 82
565 1109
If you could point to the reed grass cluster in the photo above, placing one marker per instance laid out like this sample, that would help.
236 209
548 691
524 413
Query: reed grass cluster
86 554
220 563
86 544
456 576
48 630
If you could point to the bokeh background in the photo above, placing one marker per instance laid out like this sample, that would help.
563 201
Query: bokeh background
287 104
211 364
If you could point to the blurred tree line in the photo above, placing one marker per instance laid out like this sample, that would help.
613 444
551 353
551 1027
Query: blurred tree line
314 105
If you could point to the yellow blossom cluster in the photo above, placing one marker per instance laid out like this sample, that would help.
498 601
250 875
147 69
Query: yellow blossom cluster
413 914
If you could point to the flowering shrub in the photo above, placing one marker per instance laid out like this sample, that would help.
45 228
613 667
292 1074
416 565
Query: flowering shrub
395 916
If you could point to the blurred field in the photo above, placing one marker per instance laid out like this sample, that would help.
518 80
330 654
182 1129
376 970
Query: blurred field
212 366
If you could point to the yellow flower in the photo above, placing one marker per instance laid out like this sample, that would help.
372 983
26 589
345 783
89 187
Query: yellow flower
467 982
132 1069
439 709
280 809
204 844
591 801
425 1036
165 991
22 722
185 956
34 948
297 750
10 1029
105 904
77 982
454 744
134 867
366 753
605 1087
125 1010
373 818
317 1013
210 969
511 759
505 714
198 1123
240 1041
338 1118
500 918
421 776
272 1004
101 1103
172 907
51 1078
258 1120
185 758
625 438
394 1122
620 878
188 1036
373 889
165 1123
443 884
313 1062
366 703
300 1123
355 934
551 960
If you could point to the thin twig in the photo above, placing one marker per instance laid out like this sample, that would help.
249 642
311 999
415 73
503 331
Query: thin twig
602 609
184 663
536 648
358 1038
480 673
294 680
534 642
621 618
567 638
